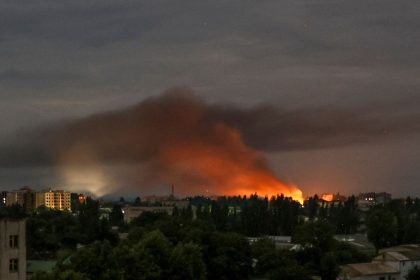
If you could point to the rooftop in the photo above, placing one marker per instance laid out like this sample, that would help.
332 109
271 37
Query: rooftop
365 269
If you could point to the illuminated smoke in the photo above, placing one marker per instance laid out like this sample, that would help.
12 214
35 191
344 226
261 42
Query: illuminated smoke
172 139
178 138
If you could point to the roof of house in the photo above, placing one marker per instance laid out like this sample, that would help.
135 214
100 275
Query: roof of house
364 269
35 266
409 252
358 241
401 248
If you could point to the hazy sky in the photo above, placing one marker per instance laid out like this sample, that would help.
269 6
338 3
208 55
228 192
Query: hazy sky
68 59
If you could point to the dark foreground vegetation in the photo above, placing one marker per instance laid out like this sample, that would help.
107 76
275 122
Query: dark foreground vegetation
210 242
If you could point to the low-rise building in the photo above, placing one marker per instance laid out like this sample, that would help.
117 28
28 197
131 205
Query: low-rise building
369 271
366 200
282 242
132 212
12 249
3 198
390 264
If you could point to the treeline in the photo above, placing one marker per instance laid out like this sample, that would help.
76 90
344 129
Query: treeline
394 223
159 246
208 239
279 215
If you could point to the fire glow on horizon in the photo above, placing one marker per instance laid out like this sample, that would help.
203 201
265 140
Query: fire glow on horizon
176 138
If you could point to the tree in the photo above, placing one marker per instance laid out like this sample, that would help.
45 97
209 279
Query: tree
96 261
382 228
50 230
328 267
187 262
311 205
148 259
116 216
89 220
291 271
228 256
315 234
137 201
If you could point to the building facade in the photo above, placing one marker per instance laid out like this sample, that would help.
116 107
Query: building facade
25 197
29 199
12 249
132 212
391 264
54 199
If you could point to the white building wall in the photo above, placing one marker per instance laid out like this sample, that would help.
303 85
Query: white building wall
406 266
10 227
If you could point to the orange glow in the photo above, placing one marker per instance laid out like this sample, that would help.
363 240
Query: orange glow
328 197
172 140
228 169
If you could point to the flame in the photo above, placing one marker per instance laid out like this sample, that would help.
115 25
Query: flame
229 169
175 139
328 197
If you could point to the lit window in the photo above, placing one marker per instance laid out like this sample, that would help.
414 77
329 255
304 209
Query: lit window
13 265
13 241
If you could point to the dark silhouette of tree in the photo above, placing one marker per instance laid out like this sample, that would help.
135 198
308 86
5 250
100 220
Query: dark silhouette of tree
315 234
116 217
137 201
382 228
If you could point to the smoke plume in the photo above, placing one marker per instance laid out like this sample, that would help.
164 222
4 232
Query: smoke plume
178 138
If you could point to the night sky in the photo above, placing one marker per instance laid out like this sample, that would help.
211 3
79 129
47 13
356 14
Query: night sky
328 91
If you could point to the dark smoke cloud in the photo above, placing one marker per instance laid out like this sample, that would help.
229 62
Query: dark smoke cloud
135 135
179 138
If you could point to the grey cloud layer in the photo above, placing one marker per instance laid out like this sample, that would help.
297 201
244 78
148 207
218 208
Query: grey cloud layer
137 134
67 59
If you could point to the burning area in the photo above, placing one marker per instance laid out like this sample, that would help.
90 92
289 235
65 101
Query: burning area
174 138
177 138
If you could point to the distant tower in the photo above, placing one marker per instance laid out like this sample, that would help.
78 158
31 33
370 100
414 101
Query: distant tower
172 191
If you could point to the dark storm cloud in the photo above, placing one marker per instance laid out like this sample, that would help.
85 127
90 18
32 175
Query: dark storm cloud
23 76
137 134
67 59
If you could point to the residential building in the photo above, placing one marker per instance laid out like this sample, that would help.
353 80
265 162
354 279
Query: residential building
391 264
25 197
369 271
12 249
281 242
54 199
366 200
132 212
3 198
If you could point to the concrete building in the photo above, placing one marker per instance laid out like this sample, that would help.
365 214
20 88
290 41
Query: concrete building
369 271
3 198
25 197
132 212
391 264
54 199
366 200
29 199
12 249
282 242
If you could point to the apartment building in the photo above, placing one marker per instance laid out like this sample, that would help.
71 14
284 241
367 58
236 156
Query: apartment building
12 249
